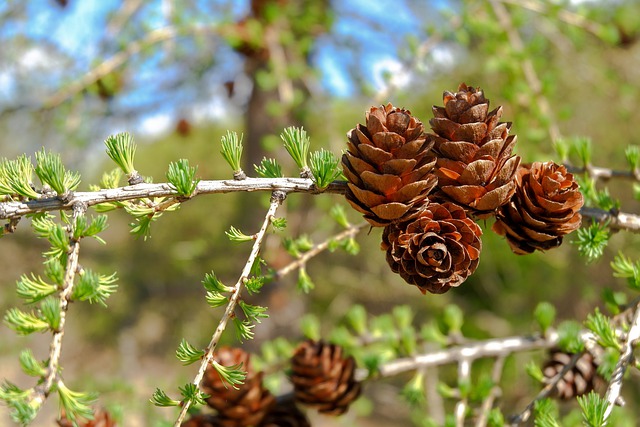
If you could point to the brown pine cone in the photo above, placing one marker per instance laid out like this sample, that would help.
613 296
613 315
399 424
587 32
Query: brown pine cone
202 420
475 166
285 414
323 378
578 380
388 165
437 250
543 209
243 406
101 418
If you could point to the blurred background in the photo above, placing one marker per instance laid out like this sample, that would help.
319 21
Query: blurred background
178 73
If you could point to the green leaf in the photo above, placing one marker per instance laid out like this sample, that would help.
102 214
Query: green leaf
593 409
310 327
534 371
403 316
304 281
160 398
76 404
413 392
592 241
122 150
624 268
16 177
211 283
495 418
52 172
545 315
236 235
232 150
339 215
268 168
297 145
230 375
324 168
279 224
614 300
357 318
254 313
34 289
569 338
188 354
24 323
183 177
632 153
51 312
350 246
453 319
602 327
30 365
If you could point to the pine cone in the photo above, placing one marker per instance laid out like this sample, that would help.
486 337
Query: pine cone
388 165
475 166
245 406
578 380
323 378
544 208
101 418
435 251
202 420
285 414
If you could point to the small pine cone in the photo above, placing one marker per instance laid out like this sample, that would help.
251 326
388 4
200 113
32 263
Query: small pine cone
579 380
323 378
388 165
435 251
543 209
101 418
245 406
475 166
285 414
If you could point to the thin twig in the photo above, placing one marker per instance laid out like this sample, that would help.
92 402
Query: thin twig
276 200
17 209
55 349
529 71
614 220
351 231
615 385
487 404
464 378
605 174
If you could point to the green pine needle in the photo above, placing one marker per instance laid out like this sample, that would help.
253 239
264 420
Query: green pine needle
22 412
244 329
50 310
268 168
16 177
160 398
211 283
357 319
297 144
236 235
95 288
30 365
545 315
413 392
534 371
52 172
230 375
582 148
546 413
24 323
216 299
191 393
625 268
632 153
254 313
453 318
569 338
279 224
254 284
602 327
76 404
310 327
35 288
232 150
561 147
183 177
92 229
304 281
188 354
339 215
592 241
324 167
122 150
593 409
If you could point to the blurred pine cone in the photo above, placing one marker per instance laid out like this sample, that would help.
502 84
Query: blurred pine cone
578 380
388 165
101 418
544 208
202 420
243 406
285 414
435 251
323 378
475 166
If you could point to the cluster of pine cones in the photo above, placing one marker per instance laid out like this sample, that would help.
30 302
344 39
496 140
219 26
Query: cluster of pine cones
323 377
428 189
579 379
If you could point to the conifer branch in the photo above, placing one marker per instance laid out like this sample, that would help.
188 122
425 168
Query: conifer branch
487 404
626 356
277 198
42 391
16 209
605 174
614 220
464 380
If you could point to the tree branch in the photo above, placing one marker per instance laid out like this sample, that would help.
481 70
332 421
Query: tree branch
615 220
604 174
277 198
615 385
